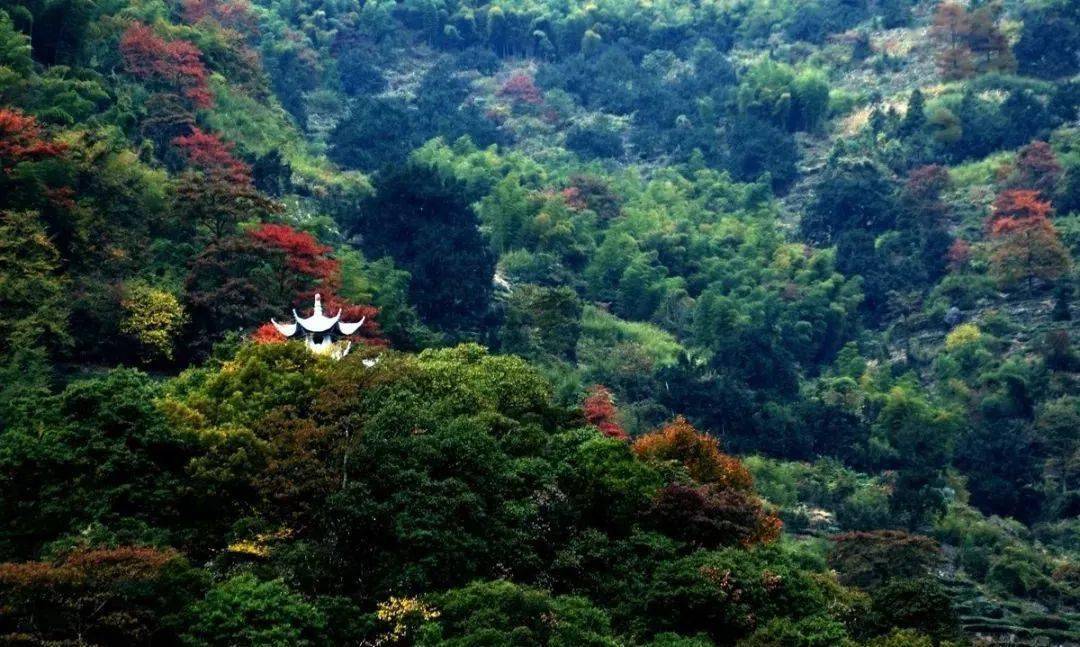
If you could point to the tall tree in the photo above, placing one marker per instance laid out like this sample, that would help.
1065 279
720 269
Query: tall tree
217 191
951 30
1027 245
423 220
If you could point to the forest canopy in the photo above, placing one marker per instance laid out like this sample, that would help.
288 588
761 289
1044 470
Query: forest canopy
669 323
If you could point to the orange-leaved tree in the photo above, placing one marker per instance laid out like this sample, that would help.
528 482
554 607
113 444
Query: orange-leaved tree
969 42
1027 245
719 508
699 453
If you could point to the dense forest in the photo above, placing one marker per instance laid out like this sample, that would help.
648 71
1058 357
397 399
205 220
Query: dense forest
685 322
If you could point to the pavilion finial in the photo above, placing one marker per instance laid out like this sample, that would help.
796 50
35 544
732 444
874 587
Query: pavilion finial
318 304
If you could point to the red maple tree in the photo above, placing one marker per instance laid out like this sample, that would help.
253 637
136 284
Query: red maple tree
521 89
308 269
177 63
267 334
217 189
600 412
209 153
22 140
303 254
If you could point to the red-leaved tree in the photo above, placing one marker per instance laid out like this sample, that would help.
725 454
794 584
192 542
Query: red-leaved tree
307 268
1027 245
303 254
267 334
176 64
217 190
22 140
209 153
521 89
600 412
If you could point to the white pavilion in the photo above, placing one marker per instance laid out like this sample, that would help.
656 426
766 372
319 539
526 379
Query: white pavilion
322 335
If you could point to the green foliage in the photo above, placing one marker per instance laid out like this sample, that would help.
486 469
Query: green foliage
714 592
542 322
422 220
919 604
246 611
503 613
870 559
153 318
745 213
104 454
775 92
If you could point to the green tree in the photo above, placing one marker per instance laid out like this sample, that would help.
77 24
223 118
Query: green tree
423 220
247 611
851 194
918 439
502 613
542 322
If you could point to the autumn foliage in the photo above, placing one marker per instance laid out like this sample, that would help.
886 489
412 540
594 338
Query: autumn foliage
600 412
22 140
303 253
206 151
712 516
176 64
699 453
1017 208
308 269
1036 167
1027 245
104 595
521 89
234 14
969 41
719 508
216 190
267 334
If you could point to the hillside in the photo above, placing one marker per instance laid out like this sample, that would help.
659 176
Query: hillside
669 323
